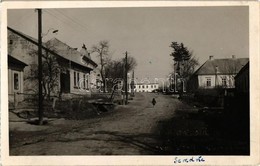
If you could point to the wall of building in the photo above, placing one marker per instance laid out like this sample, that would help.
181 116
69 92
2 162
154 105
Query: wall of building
242 82
78 86
14 89
216 81
145 87
24 50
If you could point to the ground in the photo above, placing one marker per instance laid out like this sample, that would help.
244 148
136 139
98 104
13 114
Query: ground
170 127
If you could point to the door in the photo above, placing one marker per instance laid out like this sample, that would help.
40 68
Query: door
65 82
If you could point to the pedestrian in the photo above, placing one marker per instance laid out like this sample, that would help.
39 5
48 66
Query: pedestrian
154 102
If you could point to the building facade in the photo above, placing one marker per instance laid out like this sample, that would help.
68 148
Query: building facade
216 73
73 68
242 80
15 78
145 87
78 73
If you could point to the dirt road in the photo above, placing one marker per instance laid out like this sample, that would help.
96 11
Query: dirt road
128 130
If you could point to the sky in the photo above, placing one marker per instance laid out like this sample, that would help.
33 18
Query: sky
145 33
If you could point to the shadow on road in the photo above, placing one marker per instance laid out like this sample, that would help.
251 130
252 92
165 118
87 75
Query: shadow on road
191 133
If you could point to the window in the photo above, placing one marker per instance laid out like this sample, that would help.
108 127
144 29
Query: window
208 81
224 82
75 79
151 86
143 86
146 86
16 81
84 81
134 86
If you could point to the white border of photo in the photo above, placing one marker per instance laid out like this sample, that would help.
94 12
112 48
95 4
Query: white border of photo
253 159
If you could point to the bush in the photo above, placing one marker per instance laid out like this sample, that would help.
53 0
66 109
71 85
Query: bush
209 97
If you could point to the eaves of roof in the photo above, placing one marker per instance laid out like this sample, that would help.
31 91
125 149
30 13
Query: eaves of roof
34 41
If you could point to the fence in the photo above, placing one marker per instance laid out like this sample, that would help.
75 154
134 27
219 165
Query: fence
30 101
27 100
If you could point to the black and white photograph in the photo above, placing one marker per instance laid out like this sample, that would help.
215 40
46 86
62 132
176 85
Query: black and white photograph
108 81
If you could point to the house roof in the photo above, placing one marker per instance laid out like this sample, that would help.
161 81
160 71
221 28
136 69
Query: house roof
143 83
68 52
246 67
63 54
27 37
222 66
12 60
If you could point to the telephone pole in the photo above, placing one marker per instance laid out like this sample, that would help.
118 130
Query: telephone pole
126 87
40 103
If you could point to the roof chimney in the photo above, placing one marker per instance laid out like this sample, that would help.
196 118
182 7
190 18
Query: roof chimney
233 56
84 51
211 57
216 69
89 55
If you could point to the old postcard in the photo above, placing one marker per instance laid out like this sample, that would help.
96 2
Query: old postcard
130 83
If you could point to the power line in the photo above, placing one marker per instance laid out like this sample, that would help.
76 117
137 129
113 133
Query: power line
69 25
67 21
77 22
72 23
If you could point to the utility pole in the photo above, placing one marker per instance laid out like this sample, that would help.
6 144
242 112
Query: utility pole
40 106
126 86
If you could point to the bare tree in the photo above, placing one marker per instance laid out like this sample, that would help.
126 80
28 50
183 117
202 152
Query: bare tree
51 71
102 50
117 67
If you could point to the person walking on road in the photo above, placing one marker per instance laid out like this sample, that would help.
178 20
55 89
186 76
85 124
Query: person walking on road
154 102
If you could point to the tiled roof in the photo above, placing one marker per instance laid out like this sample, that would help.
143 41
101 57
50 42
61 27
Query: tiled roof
68 52
62 53
222 66
143 83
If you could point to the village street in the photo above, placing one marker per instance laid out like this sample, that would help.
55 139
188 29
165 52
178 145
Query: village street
69 71
132 129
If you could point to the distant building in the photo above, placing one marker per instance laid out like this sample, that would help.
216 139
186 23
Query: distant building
217 73
145 87
75 66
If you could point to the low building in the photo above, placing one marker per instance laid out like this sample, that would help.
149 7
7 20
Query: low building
73 69
216 73
145 87
76 78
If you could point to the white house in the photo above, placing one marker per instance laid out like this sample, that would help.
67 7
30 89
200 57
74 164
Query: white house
217 73
145 87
